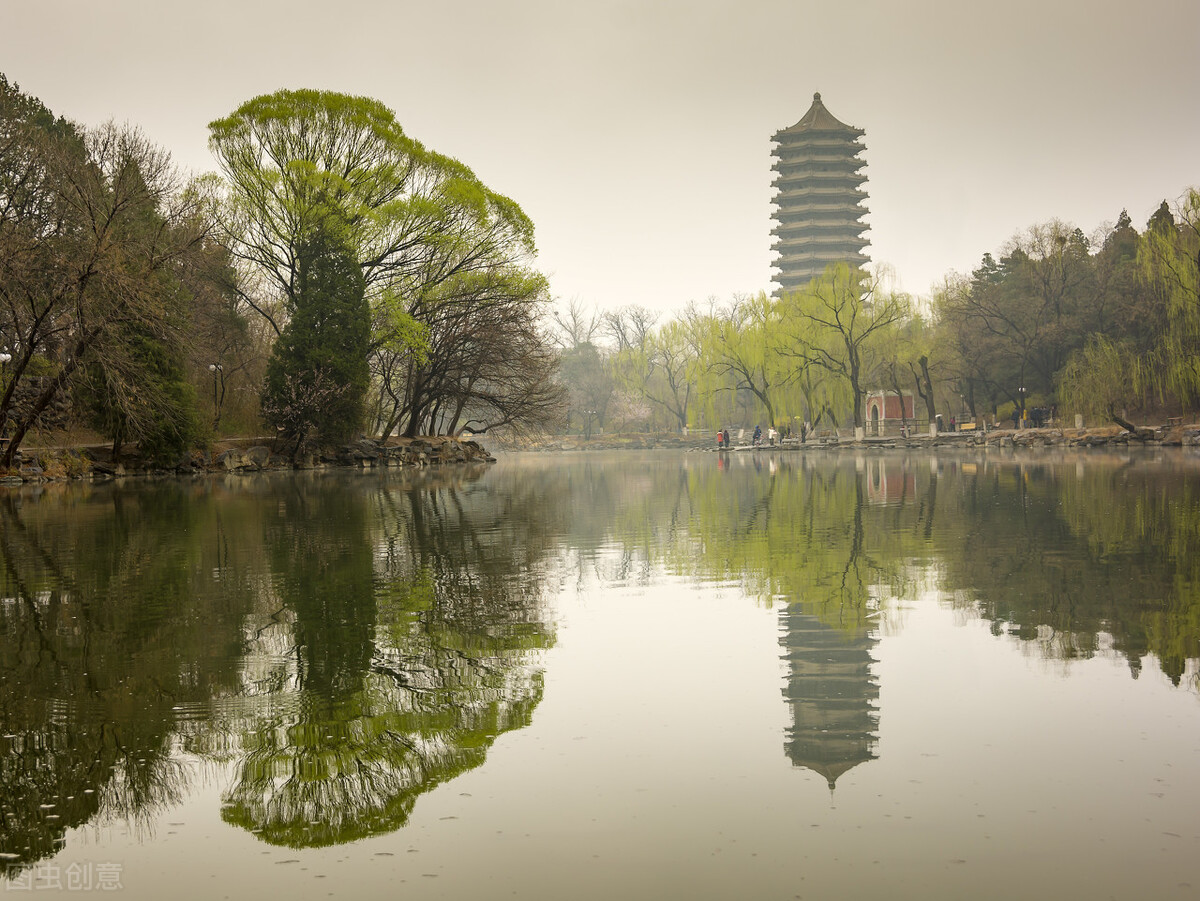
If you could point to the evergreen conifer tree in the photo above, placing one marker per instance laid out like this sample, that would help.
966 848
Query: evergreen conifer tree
317 377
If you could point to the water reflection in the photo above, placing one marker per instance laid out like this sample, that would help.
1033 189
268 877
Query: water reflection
407 648
346 643
95 659
1081 559
391 635
832 693
1071 555
1076 554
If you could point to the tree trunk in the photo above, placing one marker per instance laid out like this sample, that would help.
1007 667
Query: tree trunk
927 394
387 429
900 397
26 422
857 394
1128 426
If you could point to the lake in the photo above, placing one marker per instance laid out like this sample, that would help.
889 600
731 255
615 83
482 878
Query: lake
828 674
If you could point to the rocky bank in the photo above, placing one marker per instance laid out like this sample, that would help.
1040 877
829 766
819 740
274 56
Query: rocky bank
245 456
1171 435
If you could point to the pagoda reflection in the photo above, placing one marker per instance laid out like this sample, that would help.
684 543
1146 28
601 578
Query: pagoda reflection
832 692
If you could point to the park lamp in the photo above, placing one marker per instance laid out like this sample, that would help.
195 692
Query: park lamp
218 374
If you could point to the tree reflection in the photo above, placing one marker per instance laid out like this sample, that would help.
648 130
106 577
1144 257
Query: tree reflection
95 660
797 533
412 618
1076 554
1069 553
391 636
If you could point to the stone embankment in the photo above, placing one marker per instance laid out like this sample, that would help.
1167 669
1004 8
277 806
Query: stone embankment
54 464
1111 436
655 441
1161 436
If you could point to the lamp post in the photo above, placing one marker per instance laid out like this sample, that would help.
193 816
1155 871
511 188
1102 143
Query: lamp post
1021 396
218 375
5 359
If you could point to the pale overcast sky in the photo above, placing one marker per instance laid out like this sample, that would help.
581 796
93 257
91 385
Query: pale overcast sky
636 135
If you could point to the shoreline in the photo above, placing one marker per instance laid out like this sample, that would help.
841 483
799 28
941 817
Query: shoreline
1100 437
254 455
240 456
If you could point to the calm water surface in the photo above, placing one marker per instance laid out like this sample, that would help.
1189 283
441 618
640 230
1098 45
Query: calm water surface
601 676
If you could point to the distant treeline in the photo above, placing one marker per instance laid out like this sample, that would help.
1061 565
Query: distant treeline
1107 326
335 276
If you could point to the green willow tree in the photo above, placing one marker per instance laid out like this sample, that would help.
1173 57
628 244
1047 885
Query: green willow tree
631 363
674 356
1170 259
839 323
1149 358
741 346
435 246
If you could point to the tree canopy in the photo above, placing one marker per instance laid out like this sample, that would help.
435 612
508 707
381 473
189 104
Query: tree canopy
446 261
98 244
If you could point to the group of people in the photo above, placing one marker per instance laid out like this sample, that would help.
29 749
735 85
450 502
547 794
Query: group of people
773 436
1037 416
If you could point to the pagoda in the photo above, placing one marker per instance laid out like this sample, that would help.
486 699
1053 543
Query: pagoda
820 197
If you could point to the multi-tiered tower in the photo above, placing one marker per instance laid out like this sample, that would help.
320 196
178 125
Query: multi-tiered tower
820 197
